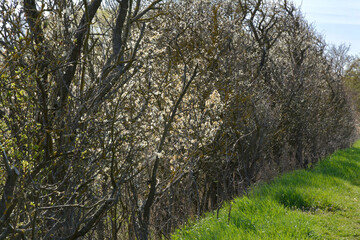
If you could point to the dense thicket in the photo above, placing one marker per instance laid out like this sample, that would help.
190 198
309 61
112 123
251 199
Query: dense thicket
121 119
351 80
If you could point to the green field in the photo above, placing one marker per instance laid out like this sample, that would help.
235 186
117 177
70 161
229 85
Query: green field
321 203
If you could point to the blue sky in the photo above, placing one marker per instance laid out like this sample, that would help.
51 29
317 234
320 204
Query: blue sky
337 20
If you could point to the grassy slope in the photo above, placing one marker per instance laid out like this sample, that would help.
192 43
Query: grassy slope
322 203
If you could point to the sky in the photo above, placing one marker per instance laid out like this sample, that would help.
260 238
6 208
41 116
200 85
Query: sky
337 20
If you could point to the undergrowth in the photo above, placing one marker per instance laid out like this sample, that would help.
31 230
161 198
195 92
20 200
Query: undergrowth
321 203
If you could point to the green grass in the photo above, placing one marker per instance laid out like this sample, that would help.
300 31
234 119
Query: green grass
321 203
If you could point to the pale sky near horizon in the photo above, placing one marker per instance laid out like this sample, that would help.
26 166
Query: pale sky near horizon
338 21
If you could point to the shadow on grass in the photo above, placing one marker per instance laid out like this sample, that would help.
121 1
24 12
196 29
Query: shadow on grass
302 189
292 199
305 202
344 164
